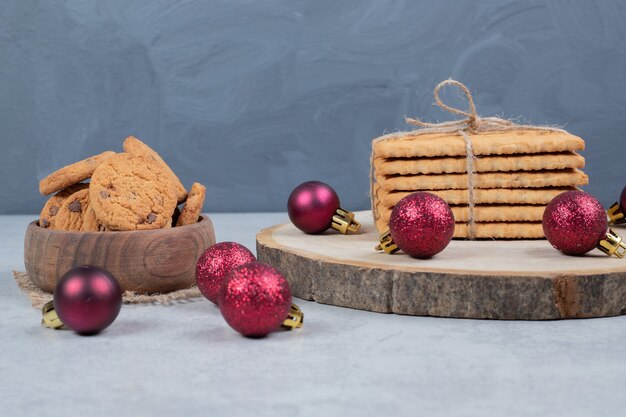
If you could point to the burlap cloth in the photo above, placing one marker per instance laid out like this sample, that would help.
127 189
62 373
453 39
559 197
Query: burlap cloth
38 297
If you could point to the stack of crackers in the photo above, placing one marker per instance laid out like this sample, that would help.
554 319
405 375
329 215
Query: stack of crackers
517 173
131 190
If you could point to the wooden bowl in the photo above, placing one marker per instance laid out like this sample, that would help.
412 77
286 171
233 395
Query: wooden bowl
147 261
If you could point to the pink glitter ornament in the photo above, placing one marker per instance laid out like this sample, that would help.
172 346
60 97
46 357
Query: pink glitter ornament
421 224
215 263
255 299
574 222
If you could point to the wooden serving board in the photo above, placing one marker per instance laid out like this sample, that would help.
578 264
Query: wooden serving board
521 279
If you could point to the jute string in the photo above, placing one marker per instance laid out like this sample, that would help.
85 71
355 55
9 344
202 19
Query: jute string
39 297
472 123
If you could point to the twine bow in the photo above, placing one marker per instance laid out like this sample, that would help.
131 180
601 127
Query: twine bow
471 123
472 120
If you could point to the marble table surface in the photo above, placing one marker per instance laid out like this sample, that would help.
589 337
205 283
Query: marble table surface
184 360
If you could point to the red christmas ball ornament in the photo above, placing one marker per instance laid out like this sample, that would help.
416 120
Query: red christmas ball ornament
313 207
421 225
574 222
616 211
87 299
255 299
215 263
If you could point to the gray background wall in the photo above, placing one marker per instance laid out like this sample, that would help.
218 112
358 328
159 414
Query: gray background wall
253 97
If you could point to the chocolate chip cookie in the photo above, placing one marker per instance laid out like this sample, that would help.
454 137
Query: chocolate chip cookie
91 222
70 215
52 206
132 192
193 206
72 174
134 146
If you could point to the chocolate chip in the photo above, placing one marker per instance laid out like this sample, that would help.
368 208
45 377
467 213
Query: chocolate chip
75 206
54 210
45 223
151 218
104 194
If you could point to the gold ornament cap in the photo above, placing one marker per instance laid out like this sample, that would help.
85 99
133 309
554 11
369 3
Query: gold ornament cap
343 221
616 215
612 244
386 243
295 318
50 318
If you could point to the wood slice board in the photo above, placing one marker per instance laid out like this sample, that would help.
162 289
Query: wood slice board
514 280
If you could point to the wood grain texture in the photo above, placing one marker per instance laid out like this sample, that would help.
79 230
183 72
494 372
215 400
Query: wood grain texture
147 262
525 280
